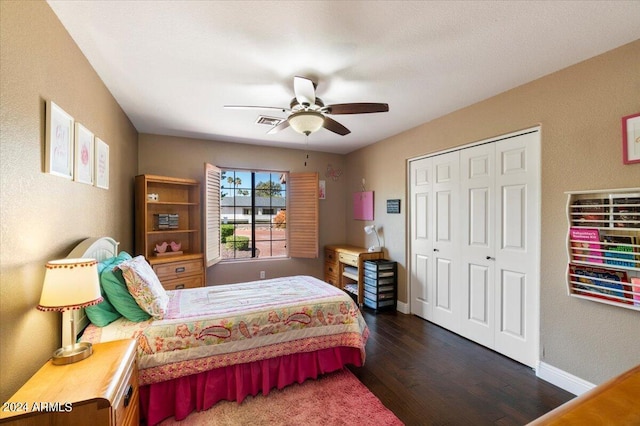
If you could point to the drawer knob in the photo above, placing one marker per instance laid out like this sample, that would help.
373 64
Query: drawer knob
127 396
179 286
180 269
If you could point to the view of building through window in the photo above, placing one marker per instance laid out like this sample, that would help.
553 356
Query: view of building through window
253 214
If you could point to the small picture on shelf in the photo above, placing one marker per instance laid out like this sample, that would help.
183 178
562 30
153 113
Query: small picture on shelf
592 212
601 283
585 244
619 250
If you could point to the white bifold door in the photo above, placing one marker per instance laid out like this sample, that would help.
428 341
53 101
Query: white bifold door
475 243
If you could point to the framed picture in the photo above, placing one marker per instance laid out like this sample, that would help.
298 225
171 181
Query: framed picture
83 170
58 150
101 164
631 138
322 189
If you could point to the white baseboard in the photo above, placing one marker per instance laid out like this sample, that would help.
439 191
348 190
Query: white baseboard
403 307
562 379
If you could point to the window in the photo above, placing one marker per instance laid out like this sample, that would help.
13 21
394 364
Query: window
247 215
253 206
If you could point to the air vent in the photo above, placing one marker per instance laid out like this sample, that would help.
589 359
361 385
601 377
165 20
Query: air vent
269 121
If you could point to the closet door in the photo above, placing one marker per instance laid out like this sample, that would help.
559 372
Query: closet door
478 206
435 241
517 255
420 177
475 224
446 241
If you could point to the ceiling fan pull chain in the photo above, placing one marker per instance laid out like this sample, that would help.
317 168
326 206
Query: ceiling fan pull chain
306 140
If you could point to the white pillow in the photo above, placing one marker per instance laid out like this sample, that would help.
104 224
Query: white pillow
144 286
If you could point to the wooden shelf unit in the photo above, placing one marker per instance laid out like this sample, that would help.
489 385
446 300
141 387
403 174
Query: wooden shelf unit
603 246
176 196
338 261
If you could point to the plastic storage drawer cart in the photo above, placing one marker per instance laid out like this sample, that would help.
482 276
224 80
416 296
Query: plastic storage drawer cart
380 284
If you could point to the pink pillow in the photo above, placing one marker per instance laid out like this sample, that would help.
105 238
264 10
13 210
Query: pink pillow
144 286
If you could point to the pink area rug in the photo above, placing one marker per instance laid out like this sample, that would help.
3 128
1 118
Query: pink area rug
333 399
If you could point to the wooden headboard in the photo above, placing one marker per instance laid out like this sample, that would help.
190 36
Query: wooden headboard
100 248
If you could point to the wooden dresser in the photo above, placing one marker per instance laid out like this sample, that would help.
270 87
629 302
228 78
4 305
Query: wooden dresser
344 268
612 403
101 390
176 274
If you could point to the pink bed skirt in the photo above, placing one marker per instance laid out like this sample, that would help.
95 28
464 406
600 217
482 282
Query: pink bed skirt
179 397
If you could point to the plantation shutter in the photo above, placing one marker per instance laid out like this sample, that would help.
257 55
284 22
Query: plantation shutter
302 214
212 214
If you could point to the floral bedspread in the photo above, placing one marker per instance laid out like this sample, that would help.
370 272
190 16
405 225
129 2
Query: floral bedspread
211 327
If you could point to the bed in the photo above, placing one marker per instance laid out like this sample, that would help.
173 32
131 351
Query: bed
230 341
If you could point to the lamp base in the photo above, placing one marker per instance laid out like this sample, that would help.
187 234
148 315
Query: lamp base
374 249
72 353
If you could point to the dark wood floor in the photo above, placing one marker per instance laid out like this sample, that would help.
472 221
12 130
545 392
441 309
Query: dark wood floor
429 376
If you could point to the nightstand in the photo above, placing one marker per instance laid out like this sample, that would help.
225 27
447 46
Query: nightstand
99 390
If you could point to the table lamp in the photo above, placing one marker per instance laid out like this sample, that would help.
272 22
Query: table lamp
70 284
370 229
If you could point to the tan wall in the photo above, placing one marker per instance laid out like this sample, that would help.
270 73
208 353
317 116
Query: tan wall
579 109
42 216
183 157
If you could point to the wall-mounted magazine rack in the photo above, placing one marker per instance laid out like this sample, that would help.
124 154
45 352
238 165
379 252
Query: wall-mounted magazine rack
603 246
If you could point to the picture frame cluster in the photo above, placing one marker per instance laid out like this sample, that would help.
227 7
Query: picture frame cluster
72 151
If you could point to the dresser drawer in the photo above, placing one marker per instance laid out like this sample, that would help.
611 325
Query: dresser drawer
349 259
173 270
125 408
332 269
330 256
192 281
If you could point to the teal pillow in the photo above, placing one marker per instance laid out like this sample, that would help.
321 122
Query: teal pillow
104 313
114 285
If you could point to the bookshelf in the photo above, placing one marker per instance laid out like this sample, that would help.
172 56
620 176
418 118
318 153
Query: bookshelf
168 210
603 246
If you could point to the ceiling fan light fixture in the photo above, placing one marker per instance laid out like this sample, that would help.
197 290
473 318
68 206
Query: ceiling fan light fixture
306 122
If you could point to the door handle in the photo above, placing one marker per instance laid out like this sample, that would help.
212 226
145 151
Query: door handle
491 258
436 249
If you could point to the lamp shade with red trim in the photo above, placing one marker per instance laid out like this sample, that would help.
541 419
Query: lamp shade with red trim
70 284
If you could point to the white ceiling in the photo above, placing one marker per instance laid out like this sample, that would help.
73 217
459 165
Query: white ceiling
172 65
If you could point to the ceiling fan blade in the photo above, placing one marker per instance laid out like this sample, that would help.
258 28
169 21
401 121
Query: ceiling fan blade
279 127
256 107
305 91
335 127
356 108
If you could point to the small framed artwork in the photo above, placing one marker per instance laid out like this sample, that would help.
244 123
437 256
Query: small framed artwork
83 170
322 189
631 138
393 206
58 150
101 164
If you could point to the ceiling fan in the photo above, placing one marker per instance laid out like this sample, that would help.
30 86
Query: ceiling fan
308 113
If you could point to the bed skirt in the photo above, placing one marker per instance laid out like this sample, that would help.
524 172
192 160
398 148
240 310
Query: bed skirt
181 396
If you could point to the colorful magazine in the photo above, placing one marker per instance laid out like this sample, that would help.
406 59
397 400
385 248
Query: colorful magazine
601 283
585 244
619 250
